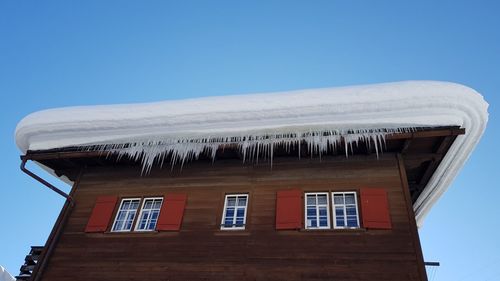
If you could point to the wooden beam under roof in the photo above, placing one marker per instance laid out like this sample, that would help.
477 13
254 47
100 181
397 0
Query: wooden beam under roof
432 166
73 152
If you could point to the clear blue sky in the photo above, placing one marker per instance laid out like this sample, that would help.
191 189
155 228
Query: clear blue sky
63 53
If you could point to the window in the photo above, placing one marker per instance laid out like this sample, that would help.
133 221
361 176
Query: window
345 208
147 219
317 211
149 214
126 215
235 212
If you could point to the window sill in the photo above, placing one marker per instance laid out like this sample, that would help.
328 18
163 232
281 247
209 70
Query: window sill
335 230
134 234
132 231
127 233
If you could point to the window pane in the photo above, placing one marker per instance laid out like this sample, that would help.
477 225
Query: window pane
338 199
340 222
228 222
322 211
349 198
152 225
229 213
239 222
126 205
231 201
240 213
121 215
154 215
143 222
311 223
135 205
351 211
118 225
145 215
242 201
130 216
323 221
339 212
322 199
157 204
352 222
311 200
148 204
311 211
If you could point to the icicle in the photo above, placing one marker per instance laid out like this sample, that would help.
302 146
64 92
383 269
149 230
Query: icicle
375 144
271 154
345 147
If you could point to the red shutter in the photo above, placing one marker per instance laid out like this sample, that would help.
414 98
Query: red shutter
101 214
172 211
289 209
375 208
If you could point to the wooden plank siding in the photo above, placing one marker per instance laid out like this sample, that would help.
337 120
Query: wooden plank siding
201 251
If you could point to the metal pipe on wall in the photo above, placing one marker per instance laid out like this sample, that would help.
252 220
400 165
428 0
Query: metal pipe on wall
56 231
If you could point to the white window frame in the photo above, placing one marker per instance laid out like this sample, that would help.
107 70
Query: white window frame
234 227
317 210
118 212
138 218
334 215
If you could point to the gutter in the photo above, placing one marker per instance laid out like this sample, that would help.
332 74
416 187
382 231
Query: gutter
25 159
61 219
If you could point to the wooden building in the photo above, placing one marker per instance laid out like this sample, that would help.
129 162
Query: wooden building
324 184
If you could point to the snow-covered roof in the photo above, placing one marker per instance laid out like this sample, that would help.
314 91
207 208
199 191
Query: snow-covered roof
186 128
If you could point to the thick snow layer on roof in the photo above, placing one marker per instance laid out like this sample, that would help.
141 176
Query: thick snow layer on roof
186 128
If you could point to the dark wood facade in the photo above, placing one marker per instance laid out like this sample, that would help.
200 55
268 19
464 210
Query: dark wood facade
201 251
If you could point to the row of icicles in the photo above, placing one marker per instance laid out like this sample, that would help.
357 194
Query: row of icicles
179 150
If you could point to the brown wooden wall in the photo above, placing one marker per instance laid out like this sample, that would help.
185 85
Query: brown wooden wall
201 251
